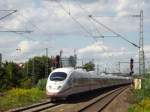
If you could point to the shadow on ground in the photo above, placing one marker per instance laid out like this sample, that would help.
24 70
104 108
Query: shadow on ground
86 96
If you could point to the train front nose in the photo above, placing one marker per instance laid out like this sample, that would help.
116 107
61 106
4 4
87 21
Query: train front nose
52 94
55 83
53 90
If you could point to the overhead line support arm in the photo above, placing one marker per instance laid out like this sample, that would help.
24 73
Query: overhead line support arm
117 34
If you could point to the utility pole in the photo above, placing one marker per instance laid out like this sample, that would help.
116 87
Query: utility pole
46 66
61 58
141 45
27 69
119 66
33 72
0 59
75 58
141 49
97 69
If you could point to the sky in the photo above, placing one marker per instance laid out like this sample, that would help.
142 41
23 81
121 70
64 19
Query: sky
65 25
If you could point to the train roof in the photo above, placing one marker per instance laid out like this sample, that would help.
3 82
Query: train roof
84 73
67 70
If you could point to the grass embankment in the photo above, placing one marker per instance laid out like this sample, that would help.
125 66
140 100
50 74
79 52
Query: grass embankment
142 97
142 106
20 97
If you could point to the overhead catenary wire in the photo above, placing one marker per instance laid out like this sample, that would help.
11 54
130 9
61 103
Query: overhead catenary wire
19 32
116 34
85 11
109 29
35 26
96 28
11 12
69 9
92 22
74 19
32 24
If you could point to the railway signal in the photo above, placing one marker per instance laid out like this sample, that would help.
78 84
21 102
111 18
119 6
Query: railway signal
131 66
57 61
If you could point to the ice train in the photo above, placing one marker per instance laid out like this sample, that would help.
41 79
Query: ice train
63 82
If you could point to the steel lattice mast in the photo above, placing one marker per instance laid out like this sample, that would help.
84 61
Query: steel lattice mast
141 49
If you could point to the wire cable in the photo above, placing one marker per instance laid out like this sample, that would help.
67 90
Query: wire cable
13 11
117 34
85 11
61 6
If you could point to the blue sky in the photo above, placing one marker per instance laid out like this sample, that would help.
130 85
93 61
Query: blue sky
55 29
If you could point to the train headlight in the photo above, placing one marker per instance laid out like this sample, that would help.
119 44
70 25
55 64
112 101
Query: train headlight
59 87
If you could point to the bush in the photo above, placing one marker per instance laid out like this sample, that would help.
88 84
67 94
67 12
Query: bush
27 83
20 97
143 106
145 90
41 84
142 97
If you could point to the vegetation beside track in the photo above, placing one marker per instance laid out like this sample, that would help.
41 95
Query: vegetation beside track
18 97
142 97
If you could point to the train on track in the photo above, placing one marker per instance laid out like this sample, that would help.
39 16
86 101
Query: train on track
63 82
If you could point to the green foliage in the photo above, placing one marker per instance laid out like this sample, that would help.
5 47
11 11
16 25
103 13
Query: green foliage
3 81
10 74
143 106
90 66
27 83
42 84
143 97
20 97
145 90
36 67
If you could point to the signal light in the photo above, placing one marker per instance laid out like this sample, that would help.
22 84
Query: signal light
131 66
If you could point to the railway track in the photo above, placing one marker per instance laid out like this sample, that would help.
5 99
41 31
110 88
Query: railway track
101 103
37 107
98 104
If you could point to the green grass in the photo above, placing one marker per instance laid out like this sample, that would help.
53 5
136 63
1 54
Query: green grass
143 106
142 97
41 84
20 97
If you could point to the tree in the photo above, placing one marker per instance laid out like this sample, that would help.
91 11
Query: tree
3 81
36 67
72 61
11 75
14 74
90 66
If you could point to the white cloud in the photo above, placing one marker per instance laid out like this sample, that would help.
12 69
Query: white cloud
96 47
24 46
99 50
53 21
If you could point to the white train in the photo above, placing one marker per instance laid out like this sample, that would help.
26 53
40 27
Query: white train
63 82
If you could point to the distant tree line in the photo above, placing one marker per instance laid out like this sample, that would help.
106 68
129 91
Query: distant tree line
27 74
10 75
90 66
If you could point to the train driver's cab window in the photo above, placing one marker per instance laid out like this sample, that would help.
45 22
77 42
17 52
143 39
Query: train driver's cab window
58 76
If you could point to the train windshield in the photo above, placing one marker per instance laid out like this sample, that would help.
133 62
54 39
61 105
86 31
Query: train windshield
58 76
